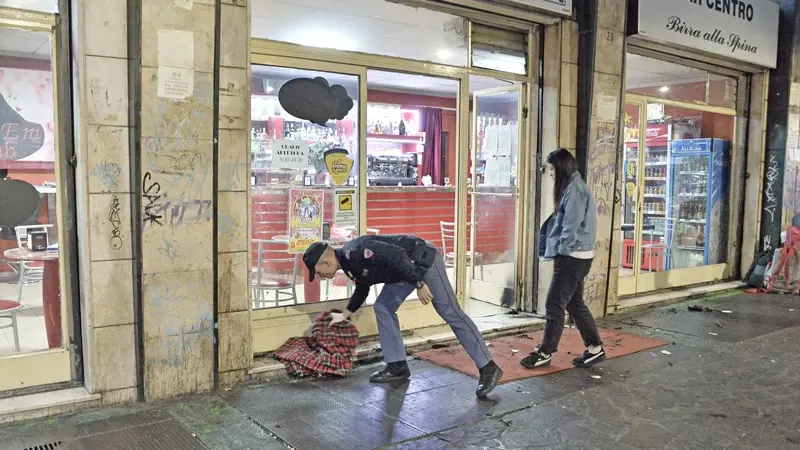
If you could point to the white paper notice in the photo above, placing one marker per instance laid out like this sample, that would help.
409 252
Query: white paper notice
184 4
289 154
793 131
794 94
175 83
607 108
346 208
504 140
490 141
176 48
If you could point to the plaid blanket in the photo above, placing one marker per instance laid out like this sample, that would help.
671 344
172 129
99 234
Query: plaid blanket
329 350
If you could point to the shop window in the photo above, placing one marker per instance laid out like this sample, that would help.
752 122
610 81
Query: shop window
412 139
46 6
684 185
368 26
670 81
31 306
304 148
499 49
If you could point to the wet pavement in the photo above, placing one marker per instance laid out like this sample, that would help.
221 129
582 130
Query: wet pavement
725 381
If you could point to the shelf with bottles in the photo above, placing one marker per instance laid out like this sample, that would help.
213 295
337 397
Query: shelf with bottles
692 211
654 173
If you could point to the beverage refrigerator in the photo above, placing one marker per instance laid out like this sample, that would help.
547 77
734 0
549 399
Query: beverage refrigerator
697 205
656 189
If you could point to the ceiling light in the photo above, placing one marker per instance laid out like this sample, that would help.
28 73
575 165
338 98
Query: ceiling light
324 38
663 89
444 54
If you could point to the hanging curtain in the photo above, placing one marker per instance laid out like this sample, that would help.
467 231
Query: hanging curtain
432 157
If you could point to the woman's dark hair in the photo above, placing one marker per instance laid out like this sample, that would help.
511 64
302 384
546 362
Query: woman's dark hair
564 165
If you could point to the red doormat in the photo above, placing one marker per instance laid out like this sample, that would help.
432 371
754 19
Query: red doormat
508 351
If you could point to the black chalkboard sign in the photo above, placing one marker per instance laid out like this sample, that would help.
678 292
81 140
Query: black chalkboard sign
18 137
19 200
315 100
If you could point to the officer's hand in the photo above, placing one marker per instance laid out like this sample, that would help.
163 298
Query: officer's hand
340 317
424 294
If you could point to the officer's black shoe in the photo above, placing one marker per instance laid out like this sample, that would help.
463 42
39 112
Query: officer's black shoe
490 376
391 372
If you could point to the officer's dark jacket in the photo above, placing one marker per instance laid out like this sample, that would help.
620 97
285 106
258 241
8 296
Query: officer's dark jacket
369 260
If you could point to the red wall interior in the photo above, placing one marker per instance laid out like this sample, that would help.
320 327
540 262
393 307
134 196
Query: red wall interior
409 211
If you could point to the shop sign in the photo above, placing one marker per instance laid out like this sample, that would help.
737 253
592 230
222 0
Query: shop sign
556 6
345 209
289 154
339 165
305 218
745 30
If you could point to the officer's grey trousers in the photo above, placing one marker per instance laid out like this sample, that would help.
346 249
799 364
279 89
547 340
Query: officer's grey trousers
444 302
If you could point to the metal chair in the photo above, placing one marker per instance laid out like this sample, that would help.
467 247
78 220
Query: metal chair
29 272
267 280
9 309
448 230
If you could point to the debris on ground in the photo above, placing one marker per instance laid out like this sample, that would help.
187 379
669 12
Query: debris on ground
514 351
712 334
665 352
596 377
726 312
673 310
699 308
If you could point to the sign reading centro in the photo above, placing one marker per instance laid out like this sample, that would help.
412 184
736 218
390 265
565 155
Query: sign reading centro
745 30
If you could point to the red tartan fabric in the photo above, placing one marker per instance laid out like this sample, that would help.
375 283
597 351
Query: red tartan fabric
330 350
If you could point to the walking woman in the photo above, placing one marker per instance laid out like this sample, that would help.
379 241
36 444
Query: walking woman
568 238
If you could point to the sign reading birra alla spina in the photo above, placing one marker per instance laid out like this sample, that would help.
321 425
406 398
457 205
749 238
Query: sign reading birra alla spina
744 30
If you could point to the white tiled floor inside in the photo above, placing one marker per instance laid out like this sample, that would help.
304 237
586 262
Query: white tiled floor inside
30 320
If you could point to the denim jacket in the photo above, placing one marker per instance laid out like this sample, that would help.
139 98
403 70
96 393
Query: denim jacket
572 227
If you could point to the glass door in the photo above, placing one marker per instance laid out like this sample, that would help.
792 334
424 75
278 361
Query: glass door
630 219
35 301
674 214
494 195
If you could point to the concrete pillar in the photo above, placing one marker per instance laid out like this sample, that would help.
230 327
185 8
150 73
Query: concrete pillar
176 195
233 221
103 185
781 176
600 130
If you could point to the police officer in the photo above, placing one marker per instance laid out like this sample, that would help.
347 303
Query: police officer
402 263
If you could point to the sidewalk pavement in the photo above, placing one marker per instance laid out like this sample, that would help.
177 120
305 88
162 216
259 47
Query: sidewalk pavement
726 380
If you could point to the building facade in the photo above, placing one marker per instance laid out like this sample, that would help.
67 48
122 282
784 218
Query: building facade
176 156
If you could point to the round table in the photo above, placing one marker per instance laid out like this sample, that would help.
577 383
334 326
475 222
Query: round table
51 294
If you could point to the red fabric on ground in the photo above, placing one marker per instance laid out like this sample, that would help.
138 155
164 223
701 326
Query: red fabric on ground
616 344
329 350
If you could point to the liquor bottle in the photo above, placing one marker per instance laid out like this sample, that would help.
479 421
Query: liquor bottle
402 128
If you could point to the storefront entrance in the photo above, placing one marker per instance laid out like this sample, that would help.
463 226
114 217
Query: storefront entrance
429 146
675 176
35 333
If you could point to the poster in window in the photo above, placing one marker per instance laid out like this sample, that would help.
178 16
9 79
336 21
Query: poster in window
305 218
345 208
26 116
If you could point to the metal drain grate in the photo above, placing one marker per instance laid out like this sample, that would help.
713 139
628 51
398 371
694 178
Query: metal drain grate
48 446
